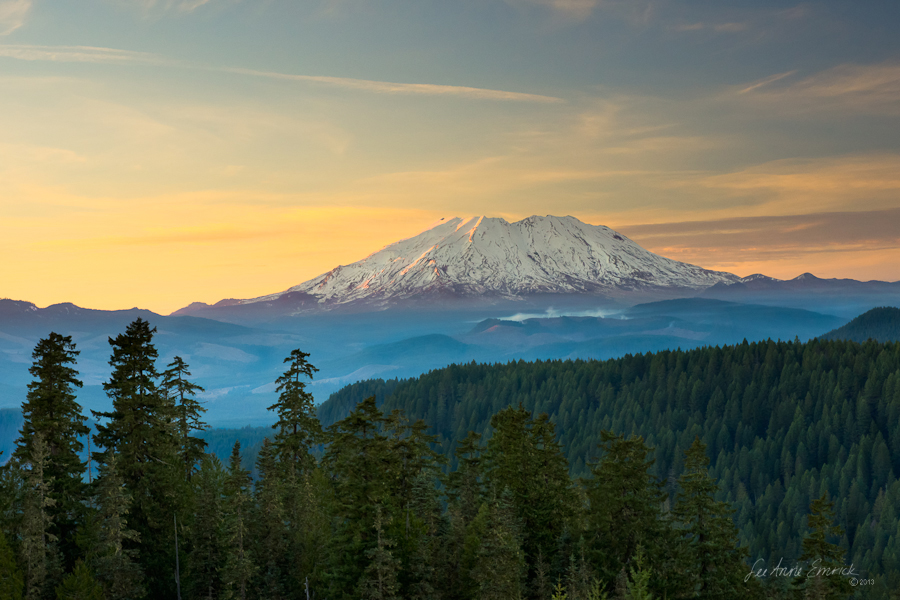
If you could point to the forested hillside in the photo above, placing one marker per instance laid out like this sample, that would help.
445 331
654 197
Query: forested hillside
689 467
879 324
783 422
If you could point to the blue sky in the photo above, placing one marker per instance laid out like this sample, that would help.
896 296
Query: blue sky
257 144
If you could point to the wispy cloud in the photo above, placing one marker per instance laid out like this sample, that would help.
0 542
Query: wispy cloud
182 6
729 27
830 243
13 14
764 82
90 54
87 54
387 87
866 88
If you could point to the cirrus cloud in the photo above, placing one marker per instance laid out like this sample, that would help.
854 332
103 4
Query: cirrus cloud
182 6
13 14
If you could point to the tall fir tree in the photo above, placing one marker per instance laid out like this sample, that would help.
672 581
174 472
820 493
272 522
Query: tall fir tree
298 427
207 554
626 503
269 535
499 570
711 558
180 393
50 410
38 546
824 558
239 567
464 488
524 457
110 544
379 581
141 430
359 460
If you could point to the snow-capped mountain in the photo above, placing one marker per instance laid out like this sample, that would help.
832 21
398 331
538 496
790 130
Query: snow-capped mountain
491 257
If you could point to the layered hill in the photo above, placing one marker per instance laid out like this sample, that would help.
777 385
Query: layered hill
880 324
844 297
488 258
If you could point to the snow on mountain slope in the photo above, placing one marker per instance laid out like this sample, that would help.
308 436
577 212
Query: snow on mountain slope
489 256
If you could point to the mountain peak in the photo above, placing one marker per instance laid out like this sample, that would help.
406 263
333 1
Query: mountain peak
806 277
489 256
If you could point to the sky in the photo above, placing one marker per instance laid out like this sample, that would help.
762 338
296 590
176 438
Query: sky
159 152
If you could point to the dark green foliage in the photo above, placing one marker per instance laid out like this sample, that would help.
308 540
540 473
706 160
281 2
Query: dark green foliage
524 459
363 468
207 555
269 527
11 580
37 545
822 554
108 540
499 568
709 558
239 567
298 427
879 324
379 581
343 401
375 462
626 509
79 585
783 422
179 393
50 410
141 431
769 429
638 584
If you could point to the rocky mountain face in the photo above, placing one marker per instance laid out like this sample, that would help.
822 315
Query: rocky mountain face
492 258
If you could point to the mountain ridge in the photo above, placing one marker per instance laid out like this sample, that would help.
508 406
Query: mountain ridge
491 258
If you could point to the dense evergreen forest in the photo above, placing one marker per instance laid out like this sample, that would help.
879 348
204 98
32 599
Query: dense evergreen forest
879 324
459 485
783 423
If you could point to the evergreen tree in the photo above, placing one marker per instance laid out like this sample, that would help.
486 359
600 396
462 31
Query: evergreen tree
524 457
140 429
379 582
464 485
108 540
625 506
638 585
269 532
239 568
824 558
11 580
499 569
180 392
79 585
50 410
298 427
37 545
206 558
425 541
360 461
711 557
12 493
